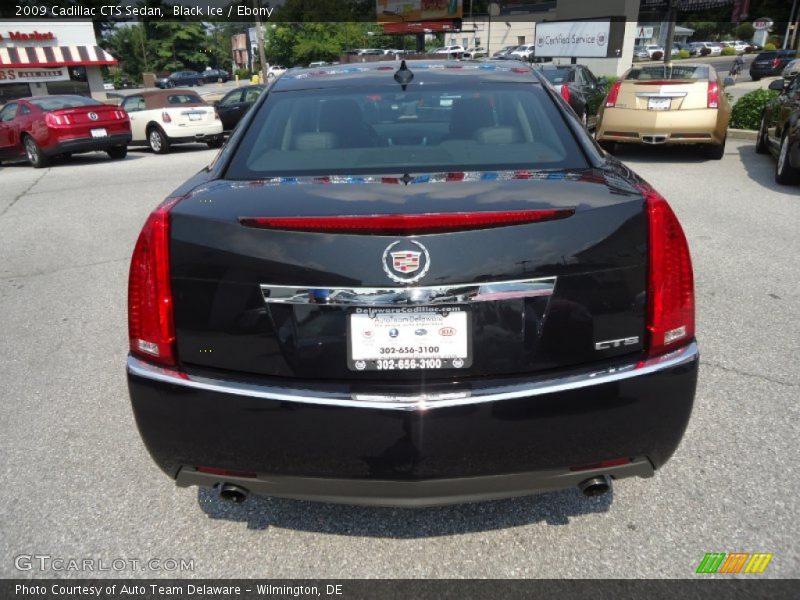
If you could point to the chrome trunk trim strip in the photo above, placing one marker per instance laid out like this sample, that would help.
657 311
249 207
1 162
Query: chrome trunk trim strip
403 296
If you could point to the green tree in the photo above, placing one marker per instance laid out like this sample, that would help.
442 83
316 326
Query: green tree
745 32
179 45
130 46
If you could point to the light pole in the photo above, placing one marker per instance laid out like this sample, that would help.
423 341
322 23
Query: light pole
262 57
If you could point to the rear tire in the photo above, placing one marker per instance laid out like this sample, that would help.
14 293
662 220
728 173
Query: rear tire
755 78
34 153
158 140
785 173
215 143
117 152
716 151
761 139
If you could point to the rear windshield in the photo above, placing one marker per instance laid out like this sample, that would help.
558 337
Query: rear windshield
557 76
59 102
359 131
679 72
184 99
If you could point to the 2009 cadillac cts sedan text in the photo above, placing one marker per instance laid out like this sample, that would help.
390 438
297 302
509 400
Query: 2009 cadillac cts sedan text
411 286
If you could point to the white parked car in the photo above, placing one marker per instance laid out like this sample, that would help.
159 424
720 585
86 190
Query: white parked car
647 51
456 50
274 71
473 52
715 49
161 118
524 52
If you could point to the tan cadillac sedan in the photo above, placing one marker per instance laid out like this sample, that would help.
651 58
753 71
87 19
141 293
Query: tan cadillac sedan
666 104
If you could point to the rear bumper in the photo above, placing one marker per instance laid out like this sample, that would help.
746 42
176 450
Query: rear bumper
486 440
202 133
699 126
88 144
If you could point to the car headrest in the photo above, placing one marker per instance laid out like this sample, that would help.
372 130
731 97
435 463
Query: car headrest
318 140
496 135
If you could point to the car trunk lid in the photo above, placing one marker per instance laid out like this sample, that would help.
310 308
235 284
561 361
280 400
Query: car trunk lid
287 298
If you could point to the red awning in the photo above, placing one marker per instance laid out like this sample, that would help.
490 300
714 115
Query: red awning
55 56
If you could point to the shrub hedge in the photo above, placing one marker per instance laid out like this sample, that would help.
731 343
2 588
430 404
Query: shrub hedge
747 111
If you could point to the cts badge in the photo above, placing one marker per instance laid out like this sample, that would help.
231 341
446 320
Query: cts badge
608 344
406 261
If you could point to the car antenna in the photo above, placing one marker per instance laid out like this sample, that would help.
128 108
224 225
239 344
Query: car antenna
403 76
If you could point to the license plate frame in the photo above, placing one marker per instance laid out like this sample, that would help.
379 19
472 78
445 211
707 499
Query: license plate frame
424 338
99 132
659 103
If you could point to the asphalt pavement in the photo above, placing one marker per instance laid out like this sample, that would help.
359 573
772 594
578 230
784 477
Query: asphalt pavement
81 485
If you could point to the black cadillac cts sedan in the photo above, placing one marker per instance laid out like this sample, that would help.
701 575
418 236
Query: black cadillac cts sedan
411 285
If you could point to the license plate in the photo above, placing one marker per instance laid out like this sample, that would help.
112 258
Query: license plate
96 133
195 116
393 339
658 103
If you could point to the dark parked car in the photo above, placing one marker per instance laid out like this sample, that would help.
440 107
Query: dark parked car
779 133
767 64
411 285
180 78
41 128
235 104
580 88
216 76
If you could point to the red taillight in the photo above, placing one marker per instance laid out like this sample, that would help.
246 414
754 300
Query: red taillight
565 94
165 117
776 62
670 291
713 94
56 120
406 224
611 99
151 329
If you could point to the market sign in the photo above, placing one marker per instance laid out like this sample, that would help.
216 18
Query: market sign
14 75
418 10
573 38
33 36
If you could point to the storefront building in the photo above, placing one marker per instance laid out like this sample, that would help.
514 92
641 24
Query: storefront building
50 57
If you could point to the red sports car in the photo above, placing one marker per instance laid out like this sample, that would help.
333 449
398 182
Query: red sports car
43 127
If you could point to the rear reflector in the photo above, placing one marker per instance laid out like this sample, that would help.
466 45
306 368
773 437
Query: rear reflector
603 464
613 93
151 329
407 224
228 472
670 293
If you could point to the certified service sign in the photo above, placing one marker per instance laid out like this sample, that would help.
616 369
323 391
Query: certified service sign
573 38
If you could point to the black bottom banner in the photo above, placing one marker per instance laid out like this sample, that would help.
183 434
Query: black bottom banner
405 589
